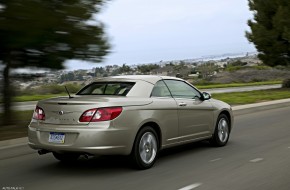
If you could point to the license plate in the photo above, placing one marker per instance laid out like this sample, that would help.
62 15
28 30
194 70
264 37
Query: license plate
56 137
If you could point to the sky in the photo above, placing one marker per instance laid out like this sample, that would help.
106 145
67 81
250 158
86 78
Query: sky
148 31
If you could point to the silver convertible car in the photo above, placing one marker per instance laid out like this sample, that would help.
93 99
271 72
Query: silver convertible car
128 115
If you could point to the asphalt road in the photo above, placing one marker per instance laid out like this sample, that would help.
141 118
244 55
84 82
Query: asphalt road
257 157
31 105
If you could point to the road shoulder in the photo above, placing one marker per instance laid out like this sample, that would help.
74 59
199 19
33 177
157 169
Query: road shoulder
238 110
251 108
13 142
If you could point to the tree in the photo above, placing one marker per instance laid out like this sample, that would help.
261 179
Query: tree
206 70
237 63
145 69
99 71
63 78
180 66
80 77
270 30
125 68
71 76
43 34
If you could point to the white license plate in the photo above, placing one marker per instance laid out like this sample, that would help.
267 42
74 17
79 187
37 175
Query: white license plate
56 137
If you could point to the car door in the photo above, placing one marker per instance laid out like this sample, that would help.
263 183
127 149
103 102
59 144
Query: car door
165 112
195 116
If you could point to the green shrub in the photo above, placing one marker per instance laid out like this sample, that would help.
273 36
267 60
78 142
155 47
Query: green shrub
286 83
237 63
51 89
261 67
234 68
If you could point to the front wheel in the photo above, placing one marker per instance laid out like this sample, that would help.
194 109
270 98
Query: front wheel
145 148
222 131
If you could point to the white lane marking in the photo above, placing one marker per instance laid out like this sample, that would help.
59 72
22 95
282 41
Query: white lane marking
257 160
214 160
192 186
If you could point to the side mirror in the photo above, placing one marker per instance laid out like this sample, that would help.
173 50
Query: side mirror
206 96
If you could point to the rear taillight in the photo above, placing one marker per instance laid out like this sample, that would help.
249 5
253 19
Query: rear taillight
38 114
87 115
100 114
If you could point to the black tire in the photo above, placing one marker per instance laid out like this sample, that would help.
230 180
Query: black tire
222 131
66 157
144 153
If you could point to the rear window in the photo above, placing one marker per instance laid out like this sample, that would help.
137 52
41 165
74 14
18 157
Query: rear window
107 88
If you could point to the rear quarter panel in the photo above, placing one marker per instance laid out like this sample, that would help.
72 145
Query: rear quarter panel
161 111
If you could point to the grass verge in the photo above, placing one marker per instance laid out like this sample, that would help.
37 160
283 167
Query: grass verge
239 98
19 127
207 86
26 98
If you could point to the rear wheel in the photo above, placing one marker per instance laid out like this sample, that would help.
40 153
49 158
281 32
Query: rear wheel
145 148
66 157
222 131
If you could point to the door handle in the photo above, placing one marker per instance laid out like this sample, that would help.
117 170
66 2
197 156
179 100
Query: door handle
182 104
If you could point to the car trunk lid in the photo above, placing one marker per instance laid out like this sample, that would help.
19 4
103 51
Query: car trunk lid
67 111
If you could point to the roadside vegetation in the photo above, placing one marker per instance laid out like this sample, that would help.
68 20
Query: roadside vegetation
239 98
26 98
211 85
233 98
18 127
50 91
45 91
249 75
47 48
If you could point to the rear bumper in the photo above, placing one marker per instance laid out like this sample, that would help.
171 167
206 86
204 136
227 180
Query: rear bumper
82 139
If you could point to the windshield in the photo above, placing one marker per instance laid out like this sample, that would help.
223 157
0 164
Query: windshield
107 88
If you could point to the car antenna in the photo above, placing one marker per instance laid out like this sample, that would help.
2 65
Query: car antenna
68 92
